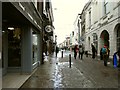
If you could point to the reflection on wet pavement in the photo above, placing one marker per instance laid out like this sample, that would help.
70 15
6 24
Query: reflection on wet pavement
56 73
57 77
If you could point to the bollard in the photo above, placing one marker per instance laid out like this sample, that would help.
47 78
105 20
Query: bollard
70 60
62 54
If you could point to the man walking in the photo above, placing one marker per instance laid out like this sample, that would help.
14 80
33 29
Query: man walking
81 51
57 50
93 51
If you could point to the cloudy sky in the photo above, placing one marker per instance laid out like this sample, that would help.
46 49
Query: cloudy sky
65 13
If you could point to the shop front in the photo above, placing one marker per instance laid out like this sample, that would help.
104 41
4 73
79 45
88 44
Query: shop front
21 42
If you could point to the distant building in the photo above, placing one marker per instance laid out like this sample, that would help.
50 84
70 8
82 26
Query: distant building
67 42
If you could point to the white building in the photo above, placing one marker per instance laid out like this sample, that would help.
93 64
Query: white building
77 29
101 24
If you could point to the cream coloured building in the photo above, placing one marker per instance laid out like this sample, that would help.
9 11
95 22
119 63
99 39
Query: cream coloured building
101 24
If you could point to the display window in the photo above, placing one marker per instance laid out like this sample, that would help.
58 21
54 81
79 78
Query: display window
14 47
35 48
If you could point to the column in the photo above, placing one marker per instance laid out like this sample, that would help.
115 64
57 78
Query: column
39 47
26 52
5 50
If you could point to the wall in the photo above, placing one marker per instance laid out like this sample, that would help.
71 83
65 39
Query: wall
101 22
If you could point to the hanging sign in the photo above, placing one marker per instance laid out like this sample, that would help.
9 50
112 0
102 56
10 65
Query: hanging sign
48 28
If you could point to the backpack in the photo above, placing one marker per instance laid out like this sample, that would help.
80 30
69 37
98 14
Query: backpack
104 50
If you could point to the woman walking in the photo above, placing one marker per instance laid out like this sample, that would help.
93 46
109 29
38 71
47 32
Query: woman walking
75 51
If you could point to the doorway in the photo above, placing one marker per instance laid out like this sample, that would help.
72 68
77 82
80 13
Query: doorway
118 37
104 38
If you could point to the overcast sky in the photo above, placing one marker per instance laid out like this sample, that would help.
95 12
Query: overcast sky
65 13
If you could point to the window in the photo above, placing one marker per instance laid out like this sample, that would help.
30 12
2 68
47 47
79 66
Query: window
34 47
89 18
106 7
72 33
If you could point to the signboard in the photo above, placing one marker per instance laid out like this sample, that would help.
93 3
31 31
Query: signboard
48 28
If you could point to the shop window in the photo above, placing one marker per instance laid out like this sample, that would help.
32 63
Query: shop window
14 48
35 48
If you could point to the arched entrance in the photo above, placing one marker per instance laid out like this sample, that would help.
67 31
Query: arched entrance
104 38
118 37
95 40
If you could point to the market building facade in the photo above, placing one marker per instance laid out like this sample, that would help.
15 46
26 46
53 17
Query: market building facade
100 21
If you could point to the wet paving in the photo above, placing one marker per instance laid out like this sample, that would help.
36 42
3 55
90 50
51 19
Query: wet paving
86 73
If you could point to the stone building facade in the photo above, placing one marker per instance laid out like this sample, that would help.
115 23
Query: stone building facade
101 25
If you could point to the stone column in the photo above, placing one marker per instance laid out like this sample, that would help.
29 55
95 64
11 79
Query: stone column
39 58
26 50
5 50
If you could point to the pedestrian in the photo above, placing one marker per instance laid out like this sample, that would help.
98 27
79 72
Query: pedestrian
108 53
57 50
81 51
118 53
105 55
75 51
93 51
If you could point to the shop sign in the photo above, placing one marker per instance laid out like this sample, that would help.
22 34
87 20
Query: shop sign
48 28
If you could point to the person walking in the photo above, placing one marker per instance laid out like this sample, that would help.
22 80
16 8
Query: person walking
93 51
81 51
101 56
57 50
75 51
118 53
105 55
108 54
